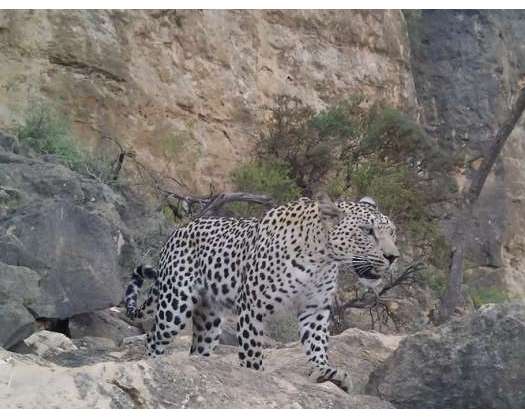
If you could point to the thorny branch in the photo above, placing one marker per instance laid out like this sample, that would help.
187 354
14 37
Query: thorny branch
376 302
181 205
371 299
221 199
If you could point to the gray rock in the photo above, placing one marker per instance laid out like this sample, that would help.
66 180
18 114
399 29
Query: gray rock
474 362
23 286
46 343
109 323
16 322
9 198
8 143
89 351
75 252
95 343
20 299
67 242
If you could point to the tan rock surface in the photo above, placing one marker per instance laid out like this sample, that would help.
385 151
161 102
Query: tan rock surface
125 379
187 88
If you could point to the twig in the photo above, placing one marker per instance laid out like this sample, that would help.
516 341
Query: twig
370 299
224 198
206 204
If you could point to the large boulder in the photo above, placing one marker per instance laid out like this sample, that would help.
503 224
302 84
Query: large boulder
474 362
123 378
16 322
76 253
66 245
20 298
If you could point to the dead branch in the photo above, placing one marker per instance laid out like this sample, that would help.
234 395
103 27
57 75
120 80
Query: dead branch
124 152
221 199
371 299
180 204
376 303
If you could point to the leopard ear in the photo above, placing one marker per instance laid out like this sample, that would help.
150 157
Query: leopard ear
330 214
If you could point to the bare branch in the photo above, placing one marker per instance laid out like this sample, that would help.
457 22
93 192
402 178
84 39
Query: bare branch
371 299
223 198
376 303
206 205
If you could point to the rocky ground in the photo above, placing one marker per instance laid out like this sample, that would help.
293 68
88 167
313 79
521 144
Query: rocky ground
476 361
95 373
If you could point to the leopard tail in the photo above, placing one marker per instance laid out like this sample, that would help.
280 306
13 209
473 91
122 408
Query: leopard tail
140 273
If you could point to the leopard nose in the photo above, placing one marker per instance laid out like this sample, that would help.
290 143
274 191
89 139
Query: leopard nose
391 258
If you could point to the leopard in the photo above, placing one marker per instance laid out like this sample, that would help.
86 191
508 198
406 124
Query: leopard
287 260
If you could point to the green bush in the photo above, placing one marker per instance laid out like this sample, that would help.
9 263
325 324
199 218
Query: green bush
310 144
338 122
333 143
487 295
337 187
266 178
48 132
353 149
399 197
394 136
389 185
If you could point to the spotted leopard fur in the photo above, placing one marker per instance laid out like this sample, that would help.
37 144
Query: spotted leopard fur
288 260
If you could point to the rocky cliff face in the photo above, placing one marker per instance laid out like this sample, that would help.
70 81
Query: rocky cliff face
468 66
187 89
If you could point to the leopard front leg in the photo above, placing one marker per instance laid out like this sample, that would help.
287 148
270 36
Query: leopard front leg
313 326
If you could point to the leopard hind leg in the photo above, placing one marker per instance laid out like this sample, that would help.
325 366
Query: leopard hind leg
174 310
207 323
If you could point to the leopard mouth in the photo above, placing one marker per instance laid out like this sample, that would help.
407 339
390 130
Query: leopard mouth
370 275
364 269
